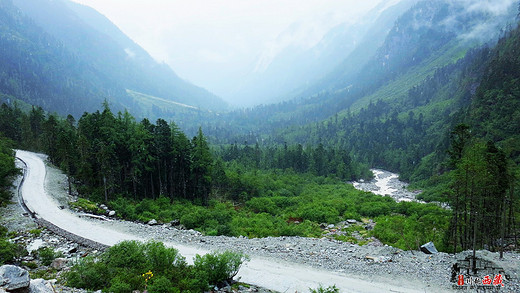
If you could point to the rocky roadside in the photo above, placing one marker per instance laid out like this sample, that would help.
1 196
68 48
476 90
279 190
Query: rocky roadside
373 261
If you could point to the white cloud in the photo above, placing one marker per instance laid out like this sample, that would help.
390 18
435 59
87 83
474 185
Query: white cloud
498 10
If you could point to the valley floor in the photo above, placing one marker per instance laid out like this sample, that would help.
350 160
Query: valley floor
284 264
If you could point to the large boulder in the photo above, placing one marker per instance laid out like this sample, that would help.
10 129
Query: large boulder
40 286
13 277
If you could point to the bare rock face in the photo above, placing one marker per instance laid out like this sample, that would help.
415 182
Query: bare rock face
40 286
13 278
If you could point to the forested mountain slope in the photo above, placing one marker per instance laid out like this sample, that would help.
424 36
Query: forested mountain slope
290 73
494 112
425 43
69 58
411 135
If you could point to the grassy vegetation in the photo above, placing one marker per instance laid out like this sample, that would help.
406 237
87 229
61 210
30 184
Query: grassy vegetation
288 204
131 265
47 254
9 251
86 205
399 87
148 106
321 289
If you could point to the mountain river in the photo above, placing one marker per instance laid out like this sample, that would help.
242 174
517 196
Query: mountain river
386 183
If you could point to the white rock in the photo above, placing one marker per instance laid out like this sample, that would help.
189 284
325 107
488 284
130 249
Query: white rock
35 245
111 213
40 286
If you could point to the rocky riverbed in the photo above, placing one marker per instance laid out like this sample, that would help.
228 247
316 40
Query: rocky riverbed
373 261
387 183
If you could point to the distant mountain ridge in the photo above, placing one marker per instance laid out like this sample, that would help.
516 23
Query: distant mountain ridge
99 62
423 39
295 68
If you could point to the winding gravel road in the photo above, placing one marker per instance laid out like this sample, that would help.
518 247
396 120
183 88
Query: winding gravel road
266 272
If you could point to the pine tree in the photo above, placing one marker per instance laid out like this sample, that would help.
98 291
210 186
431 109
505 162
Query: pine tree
202 162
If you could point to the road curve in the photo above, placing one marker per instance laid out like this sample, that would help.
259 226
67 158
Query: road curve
265 272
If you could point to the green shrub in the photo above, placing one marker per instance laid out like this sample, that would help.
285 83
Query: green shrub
374 209
3 231
126 255
146 216
262 205
35 232
162 285
8 251
318 213
47 255
254 225
124 208
46 274
147 205
330 289
121 269
31 265
215 268
87 206
283 202
284 193
352 215
410 232
89 274
119 286
163 260
193 220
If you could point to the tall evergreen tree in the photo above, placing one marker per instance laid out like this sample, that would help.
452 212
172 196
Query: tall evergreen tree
201 167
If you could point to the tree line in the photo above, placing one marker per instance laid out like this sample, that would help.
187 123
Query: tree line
109 155
8 169
482 193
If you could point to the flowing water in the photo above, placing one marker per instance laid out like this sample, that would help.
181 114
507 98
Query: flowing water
386 183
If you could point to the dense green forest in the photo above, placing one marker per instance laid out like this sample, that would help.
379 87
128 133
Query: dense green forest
8 169
150 171
115 155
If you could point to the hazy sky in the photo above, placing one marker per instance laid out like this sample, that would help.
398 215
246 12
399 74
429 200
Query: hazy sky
209 41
